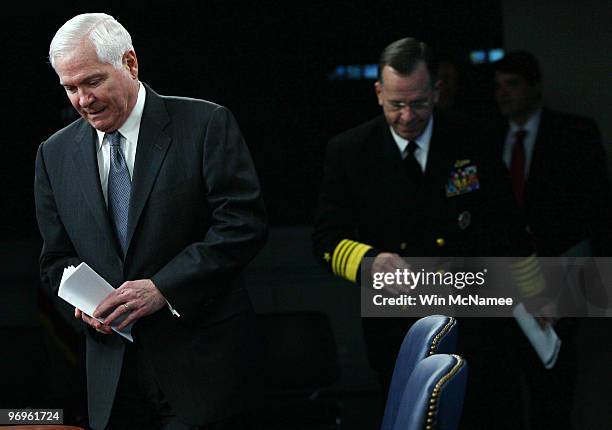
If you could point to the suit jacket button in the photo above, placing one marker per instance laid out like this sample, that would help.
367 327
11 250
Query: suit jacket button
440 242
403 245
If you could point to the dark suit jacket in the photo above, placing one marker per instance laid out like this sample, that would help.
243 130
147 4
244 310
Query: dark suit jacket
567 194
567 201
196 218
366 196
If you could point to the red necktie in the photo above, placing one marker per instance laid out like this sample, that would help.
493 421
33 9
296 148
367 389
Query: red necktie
517 166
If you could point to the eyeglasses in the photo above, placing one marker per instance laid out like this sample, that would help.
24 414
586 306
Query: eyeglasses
424 102
416 106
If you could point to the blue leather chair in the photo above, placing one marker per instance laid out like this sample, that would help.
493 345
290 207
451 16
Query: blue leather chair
433 397
429 335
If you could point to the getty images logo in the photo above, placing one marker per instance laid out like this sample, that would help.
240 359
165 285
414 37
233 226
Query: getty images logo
412 279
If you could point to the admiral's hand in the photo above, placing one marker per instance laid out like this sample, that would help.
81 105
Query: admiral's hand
390 262
547 315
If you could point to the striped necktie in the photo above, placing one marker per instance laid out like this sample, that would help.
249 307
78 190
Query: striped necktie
119 188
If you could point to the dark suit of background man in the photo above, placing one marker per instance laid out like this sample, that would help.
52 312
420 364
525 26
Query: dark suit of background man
560 181
195 218
388 192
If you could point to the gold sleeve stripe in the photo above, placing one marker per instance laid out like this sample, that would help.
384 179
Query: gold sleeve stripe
347 253
337 252
343 256
525 262
347 257
526 270
355 261
528 276
533 286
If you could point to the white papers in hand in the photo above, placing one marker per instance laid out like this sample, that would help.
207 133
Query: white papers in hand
545 341
84 289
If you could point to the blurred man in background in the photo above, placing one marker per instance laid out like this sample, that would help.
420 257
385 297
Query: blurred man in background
560 182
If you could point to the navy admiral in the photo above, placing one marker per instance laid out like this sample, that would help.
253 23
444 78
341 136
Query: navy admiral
411 182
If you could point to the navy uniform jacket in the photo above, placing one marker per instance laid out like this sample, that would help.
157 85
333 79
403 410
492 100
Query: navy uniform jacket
368 204
196 218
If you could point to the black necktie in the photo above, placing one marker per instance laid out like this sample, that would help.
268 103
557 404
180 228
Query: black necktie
413 168
119 189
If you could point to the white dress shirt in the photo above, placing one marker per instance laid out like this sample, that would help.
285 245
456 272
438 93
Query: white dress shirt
129 130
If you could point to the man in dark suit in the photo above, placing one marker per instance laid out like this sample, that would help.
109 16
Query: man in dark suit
560 181
418 182
160 197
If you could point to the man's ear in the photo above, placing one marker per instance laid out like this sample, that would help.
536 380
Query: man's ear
130 62
378 89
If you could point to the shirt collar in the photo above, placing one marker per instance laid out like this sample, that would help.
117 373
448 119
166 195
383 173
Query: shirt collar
422 140
531 126
131 126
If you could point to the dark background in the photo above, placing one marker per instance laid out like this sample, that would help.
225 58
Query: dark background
269 63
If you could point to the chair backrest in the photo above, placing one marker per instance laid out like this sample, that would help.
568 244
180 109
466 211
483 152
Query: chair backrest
429 335
433 397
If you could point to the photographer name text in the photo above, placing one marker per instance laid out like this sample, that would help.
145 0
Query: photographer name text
437 300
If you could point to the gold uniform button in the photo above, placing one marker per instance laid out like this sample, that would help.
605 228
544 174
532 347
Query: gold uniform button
440 241
403 245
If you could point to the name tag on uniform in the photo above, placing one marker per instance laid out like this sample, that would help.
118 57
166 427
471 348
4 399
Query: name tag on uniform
462 180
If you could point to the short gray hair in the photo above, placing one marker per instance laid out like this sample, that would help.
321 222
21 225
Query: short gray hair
404 55
110 39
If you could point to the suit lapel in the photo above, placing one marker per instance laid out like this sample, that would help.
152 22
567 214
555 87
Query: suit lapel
500 138
537 157
390 151
440 154
153 143
86 167
386 155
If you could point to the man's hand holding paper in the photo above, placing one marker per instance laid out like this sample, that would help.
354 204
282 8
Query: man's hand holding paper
135 299
92 322
84 289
